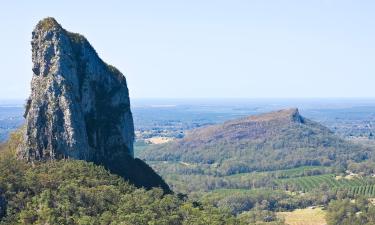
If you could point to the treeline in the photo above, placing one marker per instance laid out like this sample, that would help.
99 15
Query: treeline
77 192
189 178
239 201
349 212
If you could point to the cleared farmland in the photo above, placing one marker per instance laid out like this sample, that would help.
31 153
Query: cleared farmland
356 185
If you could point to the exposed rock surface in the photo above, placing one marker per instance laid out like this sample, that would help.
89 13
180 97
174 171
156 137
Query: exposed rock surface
79 106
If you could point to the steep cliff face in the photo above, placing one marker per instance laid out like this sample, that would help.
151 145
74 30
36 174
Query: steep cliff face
79 106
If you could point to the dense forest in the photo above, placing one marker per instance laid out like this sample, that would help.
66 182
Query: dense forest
347 212
78 192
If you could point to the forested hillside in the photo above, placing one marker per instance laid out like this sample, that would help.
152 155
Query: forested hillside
278 163
78 192
272 141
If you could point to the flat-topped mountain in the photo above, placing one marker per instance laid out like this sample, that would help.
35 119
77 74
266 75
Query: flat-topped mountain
79 107
275 140
252 127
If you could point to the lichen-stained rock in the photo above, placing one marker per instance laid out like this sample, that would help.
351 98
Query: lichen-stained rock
79 105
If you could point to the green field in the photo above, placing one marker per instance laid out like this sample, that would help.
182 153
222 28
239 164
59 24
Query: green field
288 173
365 190
357 185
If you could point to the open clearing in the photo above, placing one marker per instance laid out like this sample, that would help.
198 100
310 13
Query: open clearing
308 216
158 140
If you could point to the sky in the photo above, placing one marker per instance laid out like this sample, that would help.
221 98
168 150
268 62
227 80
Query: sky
208 49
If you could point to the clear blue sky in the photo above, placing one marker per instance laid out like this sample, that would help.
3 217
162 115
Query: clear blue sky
209 49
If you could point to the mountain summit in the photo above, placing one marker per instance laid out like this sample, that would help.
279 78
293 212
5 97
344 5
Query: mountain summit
79 107
251 127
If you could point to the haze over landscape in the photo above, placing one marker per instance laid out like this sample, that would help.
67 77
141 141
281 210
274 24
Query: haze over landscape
187 113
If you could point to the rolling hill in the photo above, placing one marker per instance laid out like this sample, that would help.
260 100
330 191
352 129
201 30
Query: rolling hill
277 140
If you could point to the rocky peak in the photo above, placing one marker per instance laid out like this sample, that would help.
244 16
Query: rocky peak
79 106
48 23
291 114
296 117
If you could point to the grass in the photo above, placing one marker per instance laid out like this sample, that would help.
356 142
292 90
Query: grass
294 172
159 140
225 191
308 216
244 192
300 171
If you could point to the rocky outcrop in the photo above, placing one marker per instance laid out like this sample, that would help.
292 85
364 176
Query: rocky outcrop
79 106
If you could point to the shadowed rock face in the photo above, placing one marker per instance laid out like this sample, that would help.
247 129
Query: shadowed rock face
3 205
79 107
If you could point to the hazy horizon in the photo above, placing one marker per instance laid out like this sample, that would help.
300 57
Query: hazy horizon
296 102
210 49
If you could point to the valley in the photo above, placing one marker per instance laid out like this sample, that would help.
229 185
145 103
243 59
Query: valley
282 191
292 190
187 113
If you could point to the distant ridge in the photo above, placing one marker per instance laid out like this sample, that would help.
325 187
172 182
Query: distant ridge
255 126
269 141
